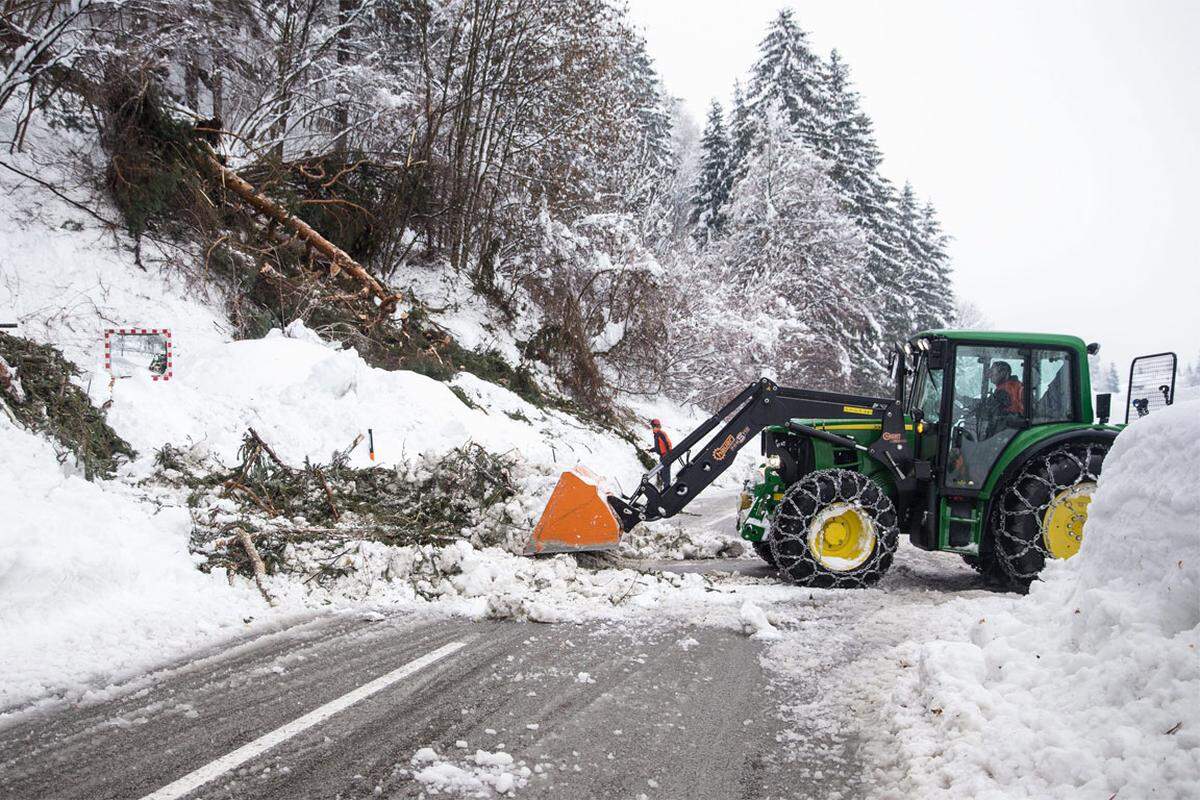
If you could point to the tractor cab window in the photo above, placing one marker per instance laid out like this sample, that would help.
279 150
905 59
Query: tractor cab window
988 410
1051 387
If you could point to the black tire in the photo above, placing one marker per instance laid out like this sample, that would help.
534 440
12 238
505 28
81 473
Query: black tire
825 492
987 564
763 549
1019 510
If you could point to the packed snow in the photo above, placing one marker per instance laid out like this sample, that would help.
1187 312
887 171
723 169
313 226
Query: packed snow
1088 687
97 584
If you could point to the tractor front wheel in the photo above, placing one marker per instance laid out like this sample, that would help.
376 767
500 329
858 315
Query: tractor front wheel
763 548
1040 513
834 529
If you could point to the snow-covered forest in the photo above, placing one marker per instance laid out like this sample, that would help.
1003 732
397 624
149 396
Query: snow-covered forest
533 148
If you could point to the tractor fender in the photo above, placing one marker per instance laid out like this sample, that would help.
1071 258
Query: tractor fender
1088 434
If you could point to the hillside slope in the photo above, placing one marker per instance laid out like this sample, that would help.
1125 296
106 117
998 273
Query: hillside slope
97 577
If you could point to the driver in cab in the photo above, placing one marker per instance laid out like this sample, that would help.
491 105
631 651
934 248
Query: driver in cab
1006 403
994 412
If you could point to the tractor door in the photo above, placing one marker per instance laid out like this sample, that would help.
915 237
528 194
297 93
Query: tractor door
926 406
986 412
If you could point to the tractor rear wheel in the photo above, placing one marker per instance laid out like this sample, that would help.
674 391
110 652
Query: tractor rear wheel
834 529
987 564
1040 513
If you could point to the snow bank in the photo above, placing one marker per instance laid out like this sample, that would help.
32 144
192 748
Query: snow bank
490 583
309 399
96 585
1090 686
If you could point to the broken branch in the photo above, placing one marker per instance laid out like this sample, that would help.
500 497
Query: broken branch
256 562
338 257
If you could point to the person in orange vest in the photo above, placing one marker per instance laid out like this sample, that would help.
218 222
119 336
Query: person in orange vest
1007 402
662 446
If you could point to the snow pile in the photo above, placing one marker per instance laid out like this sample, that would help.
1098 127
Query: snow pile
755 622
481 582
482 775
676 541
1090 686
96 584
308 399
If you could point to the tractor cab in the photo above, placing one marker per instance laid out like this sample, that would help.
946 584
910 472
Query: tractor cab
977 401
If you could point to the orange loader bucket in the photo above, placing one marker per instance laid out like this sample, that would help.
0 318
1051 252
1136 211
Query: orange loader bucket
576 518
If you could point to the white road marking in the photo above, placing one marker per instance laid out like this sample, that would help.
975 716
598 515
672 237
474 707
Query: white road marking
233 760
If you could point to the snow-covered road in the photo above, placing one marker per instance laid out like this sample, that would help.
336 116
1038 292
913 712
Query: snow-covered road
587 711
599 709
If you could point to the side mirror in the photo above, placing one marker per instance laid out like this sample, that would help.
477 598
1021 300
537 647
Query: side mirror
1103 407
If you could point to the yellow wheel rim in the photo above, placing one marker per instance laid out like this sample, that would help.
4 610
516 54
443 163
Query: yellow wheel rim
841 537
1062 524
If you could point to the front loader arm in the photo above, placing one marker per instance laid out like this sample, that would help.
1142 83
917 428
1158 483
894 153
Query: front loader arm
758 406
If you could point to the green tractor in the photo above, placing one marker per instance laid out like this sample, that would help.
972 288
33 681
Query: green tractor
1005 447
989 448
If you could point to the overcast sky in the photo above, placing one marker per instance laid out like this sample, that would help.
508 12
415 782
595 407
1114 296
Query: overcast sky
1057 139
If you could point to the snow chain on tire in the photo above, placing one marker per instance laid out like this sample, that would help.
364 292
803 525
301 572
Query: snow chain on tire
763 549
1023 501
805 501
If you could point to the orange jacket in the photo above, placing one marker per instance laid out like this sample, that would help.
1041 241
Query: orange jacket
662 442
1014 393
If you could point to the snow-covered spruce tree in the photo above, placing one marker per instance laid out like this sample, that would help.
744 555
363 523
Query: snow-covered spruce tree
925 277
649 161
1191 376
1111 381
712 184
742 134
934 288
782 292
854 154
789 75
911 280
870 199
969 316
685 169
646 170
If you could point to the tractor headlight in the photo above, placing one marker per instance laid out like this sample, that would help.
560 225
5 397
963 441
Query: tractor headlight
774 462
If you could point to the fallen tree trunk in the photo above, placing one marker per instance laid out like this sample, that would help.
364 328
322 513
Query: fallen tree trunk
339 259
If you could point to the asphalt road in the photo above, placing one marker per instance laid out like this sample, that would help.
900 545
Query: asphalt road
664 711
